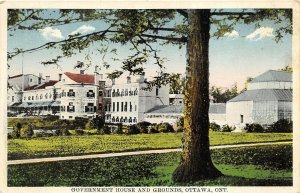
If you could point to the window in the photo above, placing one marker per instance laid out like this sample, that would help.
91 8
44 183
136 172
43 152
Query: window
63 93
156 91
134 119
126 92
30 79
125 107
71 107
130 119
90 94
90 108
114 107
135 107
36 97
70 117
117 106
24 98
46 96
122 104
71 93
242 118
50 96
130 107
100 93
41 96
29 98
13 98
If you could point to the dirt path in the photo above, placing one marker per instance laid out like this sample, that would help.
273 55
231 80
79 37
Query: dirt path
105 155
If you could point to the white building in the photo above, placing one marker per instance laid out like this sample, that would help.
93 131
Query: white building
73 95
130 101
267 100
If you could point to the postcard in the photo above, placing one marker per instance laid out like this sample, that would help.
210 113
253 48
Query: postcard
150 96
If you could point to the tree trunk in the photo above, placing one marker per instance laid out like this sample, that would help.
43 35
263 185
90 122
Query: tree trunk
196 163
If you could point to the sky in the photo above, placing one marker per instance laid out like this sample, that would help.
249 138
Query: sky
245 52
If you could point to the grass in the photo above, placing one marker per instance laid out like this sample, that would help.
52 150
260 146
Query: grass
157 169
90 144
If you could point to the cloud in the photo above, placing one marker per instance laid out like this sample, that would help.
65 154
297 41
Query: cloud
51 34
83 29
233 34
260 33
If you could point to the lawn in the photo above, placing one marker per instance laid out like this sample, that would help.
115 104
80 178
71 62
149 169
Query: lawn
242 166
90 144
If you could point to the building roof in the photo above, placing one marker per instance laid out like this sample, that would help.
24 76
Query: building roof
42 86
167 109
16 76
81 78
214 108
264 95
273 75
217 108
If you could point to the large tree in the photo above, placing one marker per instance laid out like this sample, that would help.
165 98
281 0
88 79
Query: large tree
142 31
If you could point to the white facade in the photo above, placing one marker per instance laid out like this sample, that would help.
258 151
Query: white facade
130 101
267 100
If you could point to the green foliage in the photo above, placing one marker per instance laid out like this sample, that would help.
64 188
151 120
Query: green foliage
214 126
247 166
281 126
287 69
165 128
254 127
132 129
220 96
96 123
26 131
79 122
277 157
104 130
227 128
143 126
79 132
153 128
78 145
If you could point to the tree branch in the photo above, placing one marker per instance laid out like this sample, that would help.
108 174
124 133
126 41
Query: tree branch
232 13
182 12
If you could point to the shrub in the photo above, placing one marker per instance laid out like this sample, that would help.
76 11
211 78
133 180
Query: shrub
143 126
153 128
165 128
79 122
43 134
50 118
104 130
62 132
65 132
180 122
254 127
281 126
227 128
132 129
95 123
79 132
117 129
62 123
26 131
179 129
214 126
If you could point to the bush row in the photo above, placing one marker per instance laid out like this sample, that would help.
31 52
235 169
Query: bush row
27 130
280 126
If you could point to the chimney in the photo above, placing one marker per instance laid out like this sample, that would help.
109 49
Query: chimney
113 81
59 77
81 71
47 78
142 78
40 78
96 78
128 79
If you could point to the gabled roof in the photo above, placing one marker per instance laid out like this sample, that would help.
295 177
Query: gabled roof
42 86
16 76
81 78
273 75
264 95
